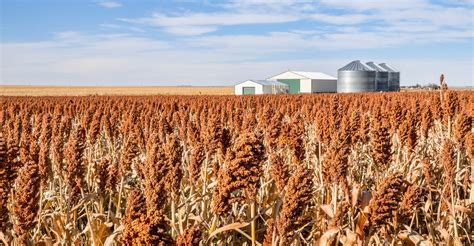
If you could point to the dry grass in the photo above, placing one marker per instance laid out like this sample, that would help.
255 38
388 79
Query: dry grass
14 90
113 90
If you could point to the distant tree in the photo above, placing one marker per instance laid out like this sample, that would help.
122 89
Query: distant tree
432 86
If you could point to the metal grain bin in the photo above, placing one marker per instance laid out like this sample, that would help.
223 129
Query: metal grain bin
393 77
381 77
355 77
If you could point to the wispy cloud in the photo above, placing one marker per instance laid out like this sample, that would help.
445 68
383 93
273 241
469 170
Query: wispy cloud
362 5
270 4
245 39
398 12
189 30
110 4
96 60
110 26
347 19
116 27
373 16
261 45
199 23
221 18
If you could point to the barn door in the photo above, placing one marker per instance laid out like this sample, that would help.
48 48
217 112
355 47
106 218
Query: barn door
294 85
248 90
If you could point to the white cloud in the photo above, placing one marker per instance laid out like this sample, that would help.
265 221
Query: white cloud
398 13
434 15
136 29
270 4
110 4
348 19
374 16
73 54
362 5
343 38
264 2
115 27
189 30
224 19
253 45
200 23
109 26
122 59
196 54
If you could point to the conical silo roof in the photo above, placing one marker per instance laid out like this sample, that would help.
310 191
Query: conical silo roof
355 66
388 67
376 67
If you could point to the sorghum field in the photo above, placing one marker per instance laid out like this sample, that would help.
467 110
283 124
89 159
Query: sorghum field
327 169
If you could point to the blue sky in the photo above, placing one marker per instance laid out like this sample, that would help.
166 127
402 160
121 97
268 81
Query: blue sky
187 42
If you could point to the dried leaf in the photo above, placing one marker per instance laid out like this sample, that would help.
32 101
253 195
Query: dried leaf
328 209
412 238
464 210
111 239
355 194
350 238
327 236
360 225
228 227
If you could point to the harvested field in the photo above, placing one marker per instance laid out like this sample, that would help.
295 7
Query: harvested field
326 169
113 90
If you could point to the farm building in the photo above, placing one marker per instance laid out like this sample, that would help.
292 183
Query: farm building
381 77
356 77
251 87
307 82
393 77
369 77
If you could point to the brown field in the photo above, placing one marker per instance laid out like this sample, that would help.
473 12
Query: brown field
15 90
319 169
113 90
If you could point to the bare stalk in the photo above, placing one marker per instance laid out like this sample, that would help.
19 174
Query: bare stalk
252 224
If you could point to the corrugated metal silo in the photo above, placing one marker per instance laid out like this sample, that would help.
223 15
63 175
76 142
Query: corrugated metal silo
355 77
393 77
381 77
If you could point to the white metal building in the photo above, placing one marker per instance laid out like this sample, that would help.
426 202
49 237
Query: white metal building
307 82
251 87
